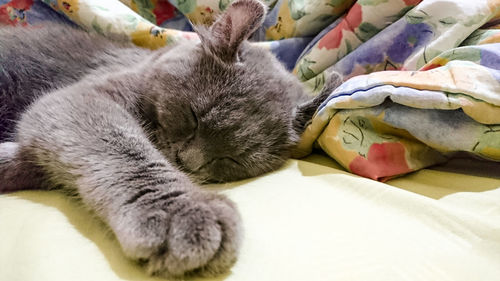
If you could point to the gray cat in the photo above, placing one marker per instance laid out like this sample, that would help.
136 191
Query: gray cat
127 130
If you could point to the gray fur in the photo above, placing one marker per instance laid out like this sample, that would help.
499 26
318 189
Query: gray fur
124 128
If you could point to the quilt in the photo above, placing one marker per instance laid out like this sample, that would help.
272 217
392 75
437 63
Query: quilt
422 78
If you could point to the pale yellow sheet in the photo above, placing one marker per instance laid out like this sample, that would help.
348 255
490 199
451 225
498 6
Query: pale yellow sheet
308 221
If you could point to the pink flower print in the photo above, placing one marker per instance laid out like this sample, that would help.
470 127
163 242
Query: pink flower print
383 160
333 38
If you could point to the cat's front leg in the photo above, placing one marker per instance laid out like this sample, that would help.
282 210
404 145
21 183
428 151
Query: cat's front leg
199 231
17 172
90 145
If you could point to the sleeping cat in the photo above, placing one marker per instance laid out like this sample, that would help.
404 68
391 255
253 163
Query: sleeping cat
128 130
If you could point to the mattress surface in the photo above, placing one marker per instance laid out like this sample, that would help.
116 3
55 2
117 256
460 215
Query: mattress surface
308 221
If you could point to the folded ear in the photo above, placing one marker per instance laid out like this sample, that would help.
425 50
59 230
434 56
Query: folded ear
235 25
305 111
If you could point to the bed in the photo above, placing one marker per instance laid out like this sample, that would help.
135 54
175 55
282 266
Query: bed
378 192
311 220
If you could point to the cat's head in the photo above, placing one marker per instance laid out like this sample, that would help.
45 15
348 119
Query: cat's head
223 109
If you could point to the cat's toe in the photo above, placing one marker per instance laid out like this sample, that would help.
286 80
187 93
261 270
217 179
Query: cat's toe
230 224
193 238
202 238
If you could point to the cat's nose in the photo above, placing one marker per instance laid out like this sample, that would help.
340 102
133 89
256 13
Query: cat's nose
191 158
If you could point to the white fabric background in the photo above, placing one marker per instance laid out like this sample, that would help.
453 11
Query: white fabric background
308 221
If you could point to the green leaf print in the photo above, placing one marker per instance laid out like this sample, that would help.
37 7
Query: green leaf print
324 18
464 54
427 55
186 6
416 16
48 2
479 35
223 4
355 132
400 14
316 84
108 28
371 2
144 4
145 9
366 31
448 21
270 3
319 82
304 72
96 26
348 47
336 3
297 9
489 140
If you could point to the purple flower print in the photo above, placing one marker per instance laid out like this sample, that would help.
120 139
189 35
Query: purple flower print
390 47
411 39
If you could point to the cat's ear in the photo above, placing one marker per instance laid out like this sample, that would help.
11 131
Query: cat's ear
236 24
305 111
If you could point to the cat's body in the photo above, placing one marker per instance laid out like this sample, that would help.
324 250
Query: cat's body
116 124
38 60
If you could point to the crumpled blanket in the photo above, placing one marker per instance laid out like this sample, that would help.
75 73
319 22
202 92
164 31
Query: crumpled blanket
422 77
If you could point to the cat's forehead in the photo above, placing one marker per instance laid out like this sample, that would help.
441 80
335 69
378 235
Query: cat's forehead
191 62
191 75
174 59
183 49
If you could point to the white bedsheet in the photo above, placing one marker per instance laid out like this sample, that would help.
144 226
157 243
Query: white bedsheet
308 221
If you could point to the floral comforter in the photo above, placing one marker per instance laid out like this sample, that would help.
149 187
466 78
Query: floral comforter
422 77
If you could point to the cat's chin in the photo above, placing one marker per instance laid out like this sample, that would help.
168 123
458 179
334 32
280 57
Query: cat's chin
203 179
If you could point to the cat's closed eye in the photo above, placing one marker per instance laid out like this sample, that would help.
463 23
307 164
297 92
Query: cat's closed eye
227 161
178 127
194 120
231 159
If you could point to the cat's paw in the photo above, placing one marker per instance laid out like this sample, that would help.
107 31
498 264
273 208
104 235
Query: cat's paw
195 233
